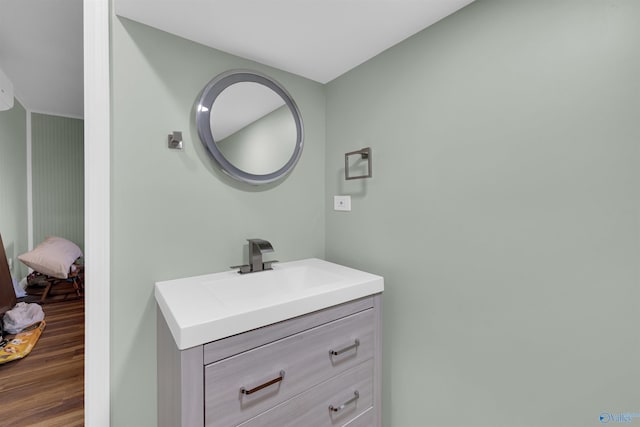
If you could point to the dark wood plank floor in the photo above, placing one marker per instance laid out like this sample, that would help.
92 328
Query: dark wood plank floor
46 388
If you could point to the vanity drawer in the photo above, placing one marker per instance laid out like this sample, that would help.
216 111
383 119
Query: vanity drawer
349 394
278 371
363 420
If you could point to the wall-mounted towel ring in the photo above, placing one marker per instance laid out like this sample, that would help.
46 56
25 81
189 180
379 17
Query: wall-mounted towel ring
365 154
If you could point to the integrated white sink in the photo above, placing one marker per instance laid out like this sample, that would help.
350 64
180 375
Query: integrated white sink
206 308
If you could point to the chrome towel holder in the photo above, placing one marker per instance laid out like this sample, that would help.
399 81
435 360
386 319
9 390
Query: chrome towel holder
365 154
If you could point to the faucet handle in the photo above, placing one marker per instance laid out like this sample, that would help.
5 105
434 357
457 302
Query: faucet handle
243 269
267 264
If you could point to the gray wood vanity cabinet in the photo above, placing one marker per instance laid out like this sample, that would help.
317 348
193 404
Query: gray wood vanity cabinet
319 369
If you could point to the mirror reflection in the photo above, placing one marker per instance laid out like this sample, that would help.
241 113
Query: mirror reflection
250 125
253 128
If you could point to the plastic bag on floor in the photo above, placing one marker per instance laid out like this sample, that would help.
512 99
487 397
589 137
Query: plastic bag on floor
21 316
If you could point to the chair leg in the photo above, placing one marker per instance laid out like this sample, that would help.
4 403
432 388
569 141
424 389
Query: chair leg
46 291
76 287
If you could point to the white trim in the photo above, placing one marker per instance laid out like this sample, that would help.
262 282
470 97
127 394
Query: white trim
97 212
29 185
67 116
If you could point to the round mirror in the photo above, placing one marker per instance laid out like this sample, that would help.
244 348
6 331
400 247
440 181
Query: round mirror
250 125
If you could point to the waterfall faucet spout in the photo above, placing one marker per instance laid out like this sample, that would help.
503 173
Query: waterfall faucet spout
257 247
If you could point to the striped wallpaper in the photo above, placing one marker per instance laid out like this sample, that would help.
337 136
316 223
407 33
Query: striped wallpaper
57 159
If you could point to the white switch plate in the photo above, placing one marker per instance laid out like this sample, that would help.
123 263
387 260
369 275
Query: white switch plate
341 203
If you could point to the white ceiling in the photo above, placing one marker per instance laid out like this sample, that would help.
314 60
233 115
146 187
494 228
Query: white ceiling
41 52
317 39
41 40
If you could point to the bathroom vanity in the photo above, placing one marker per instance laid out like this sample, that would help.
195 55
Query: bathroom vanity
296 346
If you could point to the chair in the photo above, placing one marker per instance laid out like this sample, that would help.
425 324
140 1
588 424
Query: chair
51 289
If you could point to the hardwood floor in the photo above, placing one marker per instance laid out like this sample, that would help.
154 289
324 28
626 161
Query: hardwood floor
46 388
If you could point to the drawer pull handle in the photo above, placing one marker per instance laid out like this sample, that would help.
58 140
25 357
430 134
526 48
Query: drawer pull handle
355 397
261 386
347 348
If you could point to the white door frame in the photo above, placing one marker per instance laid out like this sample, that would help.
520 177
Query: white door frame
97 161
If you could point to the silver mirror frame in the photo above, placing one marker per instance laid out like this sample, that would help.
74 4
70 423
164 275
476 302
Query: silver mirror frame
203 122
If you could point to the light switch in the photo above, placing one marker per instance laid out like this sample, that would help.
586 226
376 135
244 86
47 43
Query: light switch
341 203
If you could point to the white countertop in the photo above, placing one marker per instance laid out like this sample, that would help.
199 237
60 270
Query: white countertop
206 308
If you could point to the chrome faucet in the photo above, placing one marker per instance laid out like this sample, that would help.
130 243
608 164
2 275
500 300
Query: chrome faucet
257 247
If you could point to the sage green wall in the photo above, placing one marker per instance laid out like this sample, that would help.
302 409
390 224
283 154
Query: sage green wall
57 159
13 184
503 212
173 213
